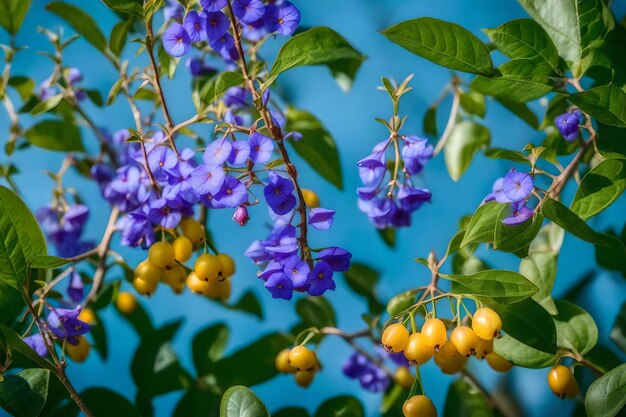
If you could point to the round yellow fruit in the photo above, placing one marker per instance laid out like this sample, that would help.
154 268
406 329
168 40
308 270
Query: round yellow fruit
207 267
486 323
417 351
395 337
419 406
126 303
227 265
311 199
192 230
498 363
148 272
435 333
183 248
465 340
282 362
404 378
302 358
161 254
78 352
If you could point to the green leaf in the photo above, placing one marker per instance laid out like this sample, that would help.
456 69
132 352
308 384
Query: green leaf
318 46
139 320
599 188
81 22
17 346
575 27
98 333
317 147
482 225
443 43
506 154
106 403
11 304
12 14
291 412
521 110
46 105
522 355
239 401
517 237
612 257
228 371
21 239
400 303
388 235
55 135
503 286
603 358
607 103
575 329
316 312
465 140
198 402
24 394
521 81
618 332
215 88
23 85
610 141
362 280
430 122
133 7
341 406
48 262
208 347
465 399
607 395
524 38
473 103
527 322
569 221
119 33
248 303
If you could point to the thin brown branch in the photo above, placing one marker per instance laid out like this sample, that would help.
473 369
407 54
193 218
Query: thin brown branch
103 249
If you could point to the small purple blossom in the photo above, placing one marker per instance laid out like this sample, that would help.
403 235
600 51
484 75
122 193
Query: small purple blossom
196 26
248 11
280 286
517 185
297 270
370 376
232 193
279 194
282 19
261 148
213 5
217 152
321 279
321 218
520 213
568 124
207 179
337 258
176 41
217 25
75 290
239 153
36 343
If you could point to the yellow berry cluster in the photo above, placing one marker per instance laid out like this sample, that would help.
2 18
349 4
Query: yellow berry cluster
300 361
562 383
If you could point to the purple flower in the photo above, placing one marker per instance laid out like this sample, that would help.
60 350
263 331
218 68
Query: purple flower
74 75
254 31
321 218
239 153
64 323
261 148
520 214
225 46
568 124
280 286
337 258
217 25
297 270
176 41
196 26
272 268
36 343
217 152
233 193
279 194
207 179
213 5
517 185
248 11
321 279
164 215
198 68
282 19
241 216
397 357
371 169
370 376
172 10
236 97
75 289
497 192
162 162
415 153
411 198
137 230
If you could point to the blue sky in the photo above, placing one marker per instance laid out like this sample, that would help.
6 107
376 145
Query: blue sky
350 119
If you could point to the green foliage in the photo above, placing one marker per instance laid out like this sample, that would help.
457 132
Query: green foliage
24 394
618 333
599 188
362 279
81 22
217 86
606 103
575 328
12 14
132 7
340 406
465 399
482 226
55 135
465 140
208 347
239 401
502 286
607 395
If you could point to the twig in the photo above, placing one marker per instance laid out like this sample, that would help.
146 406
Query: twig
103 248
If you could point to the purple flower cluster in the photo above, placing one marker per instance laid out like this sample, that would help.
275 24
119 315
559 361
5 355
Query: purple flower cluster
64 228
62 324
211 25
514 189
390 203
370 376
72 76
568 124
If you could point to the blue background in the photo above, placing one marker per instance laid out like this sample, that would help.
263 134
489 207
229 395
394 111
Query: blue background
349 117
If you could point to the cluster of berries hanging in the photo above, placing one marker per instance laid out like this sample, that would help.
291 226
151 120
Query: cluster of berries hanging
301 362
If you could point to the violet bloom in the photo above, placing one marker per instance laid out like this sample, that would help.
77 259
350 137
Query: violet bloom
517 185
370 376
321 218
176 41
172 10
415 153
217 152
280 286
568 124
248 10
282 19
75 290
196 26
164 215
213 5
225 46
254 31
520 214
198 68
36 343
207 179
321 279
239 153
137 230
297 270
233 193
337 258
497 192
411 198
372 169
236 97
261 148
217 25
74 75
64 323
241 216
162 162
279 194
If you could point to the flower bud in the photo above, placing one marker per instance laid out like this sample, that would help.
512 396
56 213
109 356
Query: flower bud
241 216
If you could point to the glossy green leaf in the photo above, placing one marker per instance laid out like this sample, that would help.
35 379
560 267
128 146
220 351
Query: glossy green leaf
521 80
507 154
119 33
482 225
318 46
575 328
607 395
12 14
522 355
248 303
400 302
24 394
81 22
575 27
527 322
607 103
55 135
133 7
48 262
465 140
215 88
618 332
46 105
317 147
316 312
610 141
512 238
444 43
107 403
524 38
473 102
467 400
503 286
198 402
228 371
21 239
603 358
341 406
11 303
429 123
19 348
99 336
23 85
569 221
388 235
521 110
240 401
599 188
208 347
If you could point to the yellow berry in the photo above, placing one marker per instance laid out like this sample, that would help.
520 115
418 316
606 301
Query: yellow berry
304 378
195 284
126 303
87 315
465 340
483 348
435 333
302 358
497 362
80 351
148 272
227 265
161 254
419 406
311 199
404 378
192 230
175 275
144 287
183 248
561 381
395 337
417 351
218 290
486 323
449 359
282 362
207 267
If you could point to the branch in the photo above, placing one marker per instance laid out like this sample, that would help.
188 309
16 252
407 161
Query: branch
103 248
